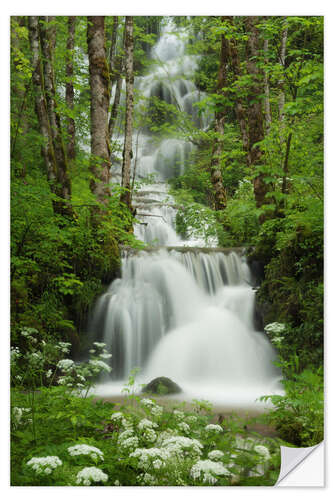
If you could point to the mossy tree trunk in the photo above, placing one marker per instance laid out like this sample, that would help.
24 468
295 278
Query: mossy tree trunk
42 41
220 196
127 151
100 98
70 87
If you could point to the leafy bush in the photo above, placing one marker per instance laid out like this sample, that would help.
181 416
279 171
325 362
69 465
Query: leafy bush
298 415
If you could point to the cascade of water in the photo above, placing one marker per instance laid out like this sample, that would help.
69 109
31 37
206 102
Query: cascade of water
185 314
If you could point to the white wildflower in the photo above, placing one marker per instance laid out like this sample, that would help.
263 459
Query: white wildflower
105 355
90 475
183 446
65 365
48 373
156 410
85 449
157 464
64 347
147 479
184 427
208 469
147 456
117 483
92 351
149 435
215 455
263 451
275 328
117 416
146 424
148 403
99 365
213 428
100 345
192 419
129 444
44 465
179 415
14 354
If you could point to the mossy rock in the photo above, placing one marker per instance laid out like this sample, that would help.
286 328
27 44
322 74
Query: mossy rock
162 386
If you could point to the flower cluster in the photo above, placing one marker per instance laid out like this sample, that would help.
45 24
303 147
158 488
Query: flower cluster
85 449
215 455
151 457
90 475
65 365
275 328
154 409
208 469
182 446
44 465
215 428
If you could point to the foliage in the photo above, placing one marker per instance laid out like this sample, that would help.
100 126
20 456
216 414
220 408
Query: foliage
298 415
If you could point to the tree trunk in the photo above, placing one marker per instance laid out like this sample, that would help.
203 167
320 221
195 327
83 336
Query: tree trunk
255 114
100 98
70 87
239 109
115 105
127 151
42 41
268 117
220 196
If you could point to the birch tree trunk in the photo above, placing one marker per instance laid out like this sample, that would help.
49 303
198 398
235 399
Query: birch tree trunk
220 196
100 98
127 151
70 87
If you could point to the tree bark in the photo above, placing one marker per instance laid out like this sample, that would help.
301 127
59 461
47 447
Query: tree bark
100 98
70 87
127 151
268 117
220 196
42 41
255 114
239 109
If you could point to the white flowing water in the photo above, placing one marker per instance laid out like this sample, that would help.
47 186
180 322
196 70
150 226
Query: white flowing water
182 313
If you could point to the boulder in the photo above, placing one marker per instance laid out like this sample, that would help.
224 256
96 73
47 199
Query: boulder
162 386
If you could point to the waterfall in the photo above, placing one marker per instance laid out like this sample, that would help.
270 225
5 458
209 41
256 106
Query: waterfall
181 311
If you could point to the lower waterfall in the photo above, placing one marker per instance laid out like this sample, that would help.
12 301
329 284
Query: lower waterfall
187 315
182 311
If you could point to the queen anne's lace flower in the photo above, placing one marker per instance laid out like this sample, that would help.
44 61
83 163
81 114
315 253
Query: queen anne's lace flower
146 424
149 435
275 328
213 428
184 427
208 469
64 347
99 365
85 449
215 455
147 456
65 365
183 446
179 415
90 475
263 451
44 465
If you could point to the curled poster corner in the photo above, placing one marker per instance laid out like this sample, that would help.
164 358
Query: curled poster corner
294 460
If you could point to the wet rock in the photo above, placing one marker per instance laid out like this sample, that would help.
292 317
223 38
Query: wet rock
162 386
